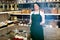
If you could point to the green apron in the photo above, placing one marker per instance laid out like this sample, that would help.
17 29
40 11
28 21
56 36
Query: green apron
36 29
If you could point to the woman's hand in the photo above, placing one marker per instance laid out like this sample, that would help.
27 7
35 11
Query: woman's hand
41 23
30 21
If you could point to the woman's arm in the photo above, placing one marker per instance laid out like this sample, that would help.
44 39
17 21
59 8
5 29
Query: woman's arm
30 18
43 18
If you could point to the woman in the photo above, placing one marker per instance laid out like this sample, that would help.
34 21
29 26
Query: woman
37 19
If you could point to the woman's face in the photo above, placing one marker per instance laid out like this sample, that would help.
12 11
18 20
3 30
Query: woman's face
36 7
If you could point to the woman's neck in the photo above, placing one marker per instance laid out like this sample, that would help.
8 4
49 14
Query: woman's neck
36 10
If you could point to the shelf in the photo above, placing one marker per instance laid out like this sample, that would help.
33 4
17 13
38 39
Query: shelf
25 14
40 2
49 2
20 14
29 14
24 3
3 28
3 12
52 14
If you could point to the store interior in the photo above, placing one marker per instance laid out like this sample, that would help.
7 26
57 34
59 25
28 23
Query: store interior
15 18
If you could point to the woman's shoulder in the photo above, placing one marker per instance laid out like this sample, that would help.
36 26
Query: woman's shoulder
41 11
32 12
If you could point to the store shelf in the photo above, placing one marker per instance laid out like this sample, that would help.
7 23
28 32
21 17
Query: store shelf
52 14
49 2
20 14
40 2
24 3
3 28
3 12
29 14
26 14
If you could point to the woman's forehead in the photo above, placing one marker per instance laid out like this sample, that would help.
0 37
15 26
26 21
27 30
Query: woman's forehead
36 4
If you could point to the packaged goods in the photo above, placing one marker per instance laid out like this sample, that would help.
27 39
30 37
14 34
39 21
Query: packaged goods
58 11
47 0
54 10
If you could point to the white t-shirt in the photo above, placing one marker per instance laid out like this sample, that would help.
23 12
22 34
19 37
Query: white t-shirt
41 13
